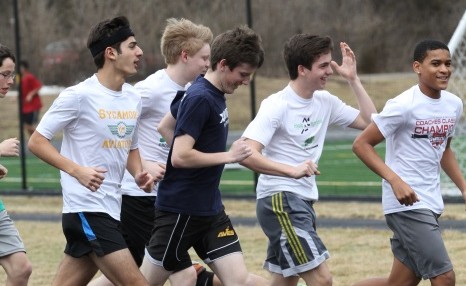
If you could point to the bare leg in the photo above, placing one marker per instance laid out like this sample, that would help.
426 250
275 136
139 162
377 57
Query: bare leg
240 276
100 281
318 276
279 280
74 271
17 267
445 279
156 275
399 275
185 277
120 268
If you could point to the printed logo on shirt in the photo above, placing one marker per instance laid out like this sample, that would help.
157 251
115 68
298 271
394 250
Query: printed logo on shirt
121 129
163 143
437 130
306 123
226 232
308 141
117 114
112 143
224 117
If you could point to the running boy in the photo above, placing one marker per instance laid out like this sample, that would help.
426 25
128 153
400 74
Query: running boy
98 117
287 137
418 126
189 210
186 49
13 257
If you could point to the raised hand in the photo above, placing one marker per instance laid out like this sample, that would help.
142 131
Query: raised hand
347 69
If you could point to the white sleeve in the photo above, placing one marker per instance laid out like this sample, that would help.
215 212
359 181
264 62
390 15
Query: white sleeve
266 122
64 111
341 113
391 118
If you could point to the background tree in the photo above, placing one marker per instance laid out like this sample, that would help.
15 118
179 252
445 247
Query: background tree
381 32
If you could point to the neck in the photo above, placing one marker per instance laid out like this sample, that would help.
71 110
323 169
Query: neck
110 79
212 77
301 90
177 73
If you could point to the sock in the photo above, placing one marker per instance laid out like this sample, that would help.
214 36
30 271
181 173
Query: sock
205 278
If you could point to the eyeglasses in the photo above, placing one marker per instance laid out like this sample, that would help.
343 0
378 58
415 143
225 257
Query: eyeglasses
8 75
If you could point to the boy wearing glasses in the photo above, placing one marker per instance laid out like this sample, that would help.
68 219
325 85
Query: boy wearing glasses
12 252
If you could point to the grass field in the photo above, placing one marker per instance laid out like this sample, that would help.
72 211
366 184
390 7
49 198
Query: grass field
356 253
342 173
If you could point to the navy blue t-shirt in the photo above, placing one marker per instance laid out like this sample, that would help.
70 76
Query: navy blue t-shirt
203 115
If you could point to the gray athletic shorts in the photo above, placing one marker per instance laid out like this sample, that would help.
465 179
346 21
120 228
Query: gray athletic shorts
10 241
289 223
417 242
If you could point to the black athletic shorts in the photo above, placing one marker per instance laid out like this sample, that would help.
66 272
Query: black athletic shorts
137 220
31 118
87 232
212 237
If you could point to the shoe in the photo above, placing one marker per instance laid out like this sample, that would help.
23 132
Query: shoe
199 268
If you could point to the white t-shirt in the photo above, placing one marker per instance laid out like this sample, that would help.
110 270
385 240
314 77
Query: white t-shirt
157 92
416 128
293 129
99 129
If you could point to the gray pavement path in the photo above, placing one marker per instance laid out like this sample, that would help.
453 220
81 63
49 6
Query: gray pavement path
248 221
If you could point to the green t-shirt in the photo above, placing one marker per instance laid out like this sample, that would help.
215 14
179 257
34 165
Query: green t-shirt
2 206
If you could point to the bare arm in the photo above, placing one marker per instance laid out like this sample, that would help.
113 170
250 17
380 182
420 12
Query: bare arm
348 70
261 164
9 148
142 178
90 177
167 127
185 156
31 94
363 147
450 165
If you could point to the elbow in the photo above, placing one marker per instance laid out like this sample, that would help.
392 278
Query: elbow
246 163
161 130
32 145
178 162
357 147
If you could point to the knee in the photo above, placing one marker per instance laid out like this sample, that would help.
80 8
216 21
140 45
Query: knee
447 278
327 280
324 279
21 271
253 279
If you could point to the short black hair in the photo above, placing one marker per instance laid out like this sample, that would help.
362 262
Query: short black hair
420 52
5 53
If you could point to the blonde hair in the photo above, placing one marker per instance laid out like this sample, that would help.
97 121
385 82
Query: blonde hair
183 35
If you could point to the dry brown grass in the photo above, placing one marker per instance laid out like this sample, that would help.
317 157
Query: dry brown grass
356 253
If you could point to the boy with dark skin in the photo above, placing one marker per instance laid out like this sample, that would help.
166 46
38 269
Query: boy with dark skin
418 126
